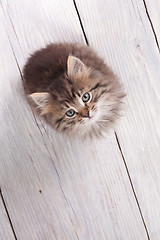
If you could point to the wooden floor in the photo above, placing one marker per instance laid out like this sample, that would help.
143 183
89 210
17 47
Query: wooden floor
56 189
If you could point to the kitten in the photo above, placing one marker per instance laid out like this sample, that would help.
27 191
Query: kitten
73 89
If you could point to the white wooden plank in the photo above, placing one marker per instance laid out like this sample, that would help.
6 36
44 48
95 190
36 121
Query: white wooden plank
87 195
5 227
121 32
28 177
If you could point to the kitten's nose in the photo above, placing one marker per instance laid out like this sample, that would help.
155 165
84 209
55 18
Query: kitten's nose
84 112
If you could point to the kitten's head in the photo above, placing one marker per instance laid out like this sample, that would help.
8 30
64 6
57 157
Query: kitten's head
83 102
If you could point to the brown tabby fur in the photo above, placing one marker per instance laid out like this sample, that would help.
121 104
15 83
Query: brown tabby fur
56 82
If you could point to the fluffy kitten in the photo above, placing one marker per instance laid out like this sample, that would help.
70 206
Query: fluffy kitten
73 89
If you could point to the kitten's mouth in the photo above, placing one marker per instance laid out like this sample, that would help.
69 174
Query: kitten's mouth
89 118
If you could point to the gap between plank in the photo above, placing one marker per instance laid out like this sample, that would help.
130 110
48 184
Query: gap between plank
85 36
149 18
10 221
120 149
87 42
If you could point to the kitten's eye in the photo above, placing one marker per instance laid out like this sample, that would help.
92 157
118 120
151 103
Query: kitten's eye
86 97
70 113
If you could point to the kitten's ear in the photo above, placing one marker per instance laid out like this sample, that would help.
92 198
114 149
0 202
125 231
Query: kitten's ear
41 100
75 67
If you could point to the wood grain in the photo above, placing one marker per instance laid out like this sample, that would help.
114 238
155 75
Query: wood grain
56 188
122 34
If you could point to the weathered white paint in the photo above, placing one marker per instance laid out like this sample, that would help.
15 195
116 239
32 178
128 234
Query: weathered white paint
121 32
